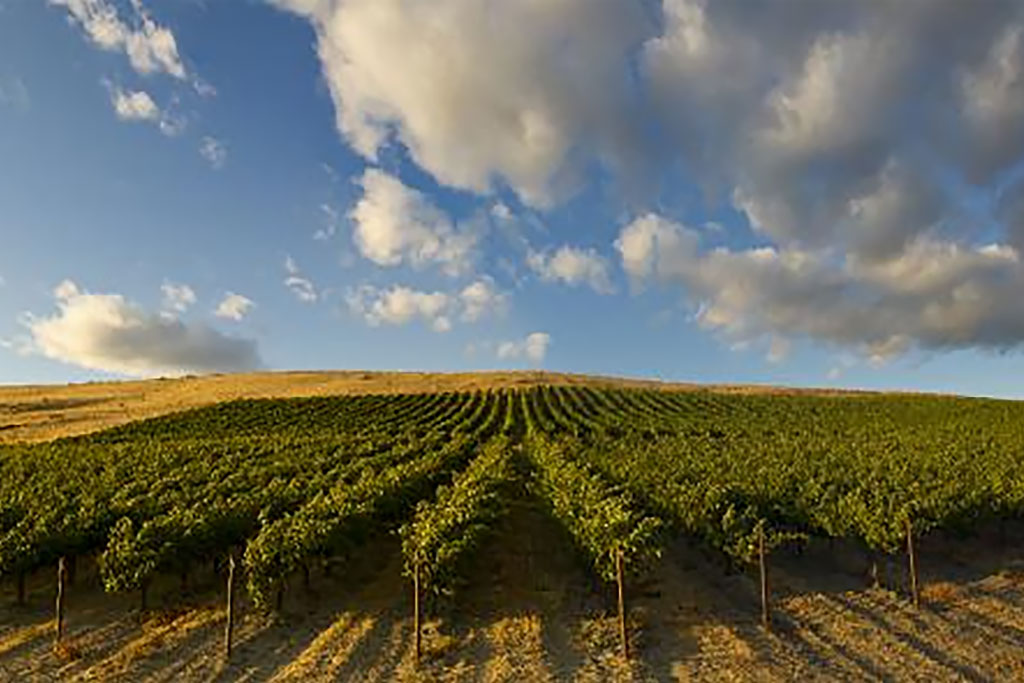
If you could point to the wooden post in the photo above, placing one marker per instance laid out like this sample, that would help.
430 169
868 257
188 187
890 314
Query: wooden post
59 627
765 613
416 609
912 559
230 607
623 636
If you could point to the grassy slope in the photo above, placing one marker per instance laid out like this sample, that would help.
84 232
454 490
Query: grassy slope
39 413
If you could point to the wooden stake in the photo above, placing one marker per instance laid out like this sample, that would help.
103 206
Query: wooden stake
912 559
622 604
59 627
765 613
416 609
230 607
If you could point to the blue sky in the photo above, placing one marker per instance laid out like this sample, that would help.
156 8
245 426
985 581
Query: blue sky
661 188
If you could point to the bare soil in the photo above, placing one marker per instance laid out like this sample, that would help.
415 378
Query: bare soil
530 612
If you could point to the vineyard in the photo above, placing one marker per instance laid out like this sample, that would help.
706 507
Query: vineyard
273 496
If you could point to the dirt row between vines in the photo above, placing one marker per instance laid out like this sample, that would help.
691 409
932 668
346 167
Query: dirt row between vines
531 613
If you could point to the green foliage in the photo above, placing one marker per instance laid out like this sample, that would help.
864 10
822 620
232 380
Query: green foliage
602 519
298 480
444 530
344 515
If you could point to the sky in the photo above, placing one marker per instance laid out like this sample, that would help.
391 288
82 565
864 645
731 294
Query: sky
800 192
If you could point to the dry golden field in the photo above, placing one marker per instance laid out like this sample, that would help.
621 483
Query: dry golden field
43 412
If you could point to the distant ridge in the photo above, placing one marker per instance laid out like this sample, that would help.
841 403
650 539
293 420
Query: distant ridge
43 412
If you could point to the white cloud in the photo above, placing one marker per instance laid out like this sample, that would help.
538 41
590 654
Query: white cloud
395 224
501 212
651 246
234 306
108 333
301 286
533 348
214 151
331 219
139 106
177 298
400 305
573 266
932 294
134 105
150 48
479 92
855 138
480 299
172 124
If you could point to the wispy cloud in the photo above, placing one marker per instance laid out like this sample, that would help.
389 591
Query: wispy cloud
214 151
234 307
534 348
301 286
150 47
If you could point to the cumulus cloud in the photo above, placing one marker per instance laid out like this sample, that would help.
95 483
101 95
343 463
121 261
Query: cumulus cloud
533 348
214 151
234 307
480 299
482 92
395 224
134 105
301 286
107 332
852 137
150 48
138 105
177 298
933 294
399 305
573 266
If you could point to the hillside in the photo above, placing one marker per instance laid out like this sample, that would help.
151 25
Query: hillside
42 412
515 504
